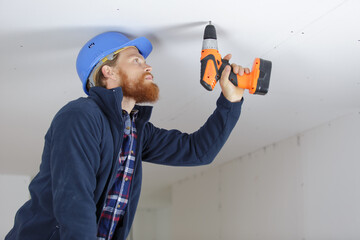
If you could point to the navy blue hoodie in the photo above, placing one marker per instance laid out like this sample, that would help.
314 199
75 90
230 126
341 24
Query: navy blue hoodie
80 159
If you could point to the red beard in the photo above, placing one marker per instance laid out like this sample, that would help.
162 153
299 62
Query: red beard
143 91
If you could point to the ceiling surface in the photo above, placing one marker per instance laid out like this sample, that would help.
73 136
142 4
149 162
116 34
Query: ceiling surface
314 46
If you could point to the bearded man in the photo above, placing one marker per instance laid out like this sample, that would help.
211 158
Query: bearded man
89 181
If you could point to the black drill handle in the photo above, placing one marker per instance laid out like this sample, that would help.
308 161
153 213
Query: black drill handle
232 76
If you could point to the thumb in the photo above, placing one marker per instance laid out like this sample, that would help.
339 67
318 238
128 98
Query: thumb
228 57
225 75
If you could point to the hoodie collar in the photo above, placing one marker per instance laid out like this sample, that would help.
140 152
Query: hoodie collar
109 100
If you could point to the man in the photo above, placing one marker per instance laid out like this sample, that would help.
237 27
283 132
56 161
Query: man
89 182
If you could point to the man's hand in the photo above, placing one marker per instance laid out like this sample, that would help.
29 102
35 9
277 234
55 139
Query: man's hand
231 92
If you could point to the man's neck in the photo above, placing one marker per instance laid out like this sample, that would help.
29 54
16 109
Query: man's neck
128 104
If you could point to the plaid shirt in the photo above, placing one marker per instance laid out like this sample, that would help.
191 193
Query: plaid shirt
117 199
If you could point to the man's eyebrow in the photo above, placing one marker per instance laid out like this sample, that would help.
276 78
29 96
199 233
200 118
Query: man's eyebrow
136 55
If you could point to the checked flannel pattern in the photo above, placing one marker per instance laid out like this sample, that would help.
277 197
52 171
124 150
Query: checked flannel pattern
117 199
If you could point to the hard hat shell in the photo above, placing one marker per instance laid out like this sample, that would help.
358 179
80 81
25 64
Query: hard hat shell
102 45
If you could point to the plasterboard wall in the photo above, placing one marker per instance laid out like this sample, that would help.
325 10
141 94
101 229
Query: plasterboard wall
305 187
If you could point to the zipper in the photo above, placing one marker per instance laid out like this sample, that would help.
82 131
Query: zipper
118 148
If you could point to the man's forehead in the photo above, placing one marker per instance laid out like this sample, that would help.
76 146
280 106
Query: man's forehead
131 51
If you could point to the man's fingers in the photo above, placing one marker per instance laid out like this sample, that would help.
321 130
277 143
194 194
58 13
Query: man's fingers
237 69
241 71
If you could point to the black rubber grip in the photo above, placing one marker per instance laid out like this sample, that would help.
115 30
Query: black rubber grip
232 76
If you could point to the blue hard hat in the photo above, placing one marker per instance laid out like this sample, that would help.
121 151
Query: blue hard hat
102 45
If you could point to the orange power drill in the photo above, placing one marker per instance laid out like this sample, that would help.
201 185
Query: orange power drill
212 65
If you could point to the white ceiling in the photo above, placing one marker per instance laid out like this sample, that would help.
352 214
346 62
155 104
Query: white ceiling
314 46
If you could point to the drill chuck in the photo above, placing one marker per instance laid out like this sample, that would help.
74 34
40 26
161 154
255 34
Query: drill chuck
210 41
210 32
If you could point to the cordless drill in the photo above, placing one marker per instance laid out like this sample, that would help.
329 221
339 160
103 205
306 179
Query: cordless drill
212 65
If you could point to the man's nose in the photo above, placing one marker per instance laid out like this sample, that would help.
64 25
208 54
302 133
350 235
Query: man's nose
148 68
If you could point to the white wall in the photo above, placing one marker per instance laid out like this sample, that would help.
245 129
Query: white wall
305 187
152 224
153 217
14 193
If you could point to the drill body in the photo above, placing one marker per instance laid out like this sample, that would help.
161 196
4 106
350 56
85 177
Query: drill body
212 66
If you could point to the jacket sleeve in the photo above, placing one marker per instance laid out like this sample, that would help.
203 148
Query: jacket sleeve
172 147
73 163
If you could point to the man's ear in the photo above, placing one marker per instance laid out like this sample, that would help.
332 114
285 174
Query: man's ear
107 71
110 80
